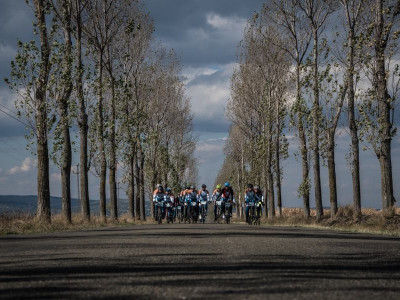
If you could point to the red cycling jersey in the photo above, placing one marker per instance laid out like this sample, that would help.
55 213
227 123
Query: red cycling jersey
227 193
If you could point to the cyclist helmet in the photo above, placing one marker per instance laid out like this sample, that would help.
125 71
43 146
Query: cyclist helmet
227 184
218 186
168 189
160 187
188 187
192 187
203 186
250 186
256 187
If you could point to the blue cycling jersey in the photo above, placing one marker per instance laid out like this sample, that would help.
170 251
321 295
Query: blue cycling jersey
250 196
203 196
159 197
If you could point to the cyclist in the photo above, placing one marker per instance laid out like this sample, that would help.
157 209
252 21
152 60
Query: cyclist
204 195
249 196
227 196
183 192
183 199
216 196
259 199
159 197
169 198
191 196
156 190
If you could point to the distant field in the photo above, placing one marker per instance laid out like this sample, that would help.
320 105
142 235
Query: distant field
27 204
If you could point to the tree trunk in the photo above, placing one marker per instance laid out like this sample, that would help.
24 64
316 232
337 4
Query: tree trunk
113 159
66 167
277 159
154 176
64 118
43 186
131 188
239 192
315 133
167 167
384 105
142 189
355 149
270 177
305 192
332 175
271 211
103 162
242 174
265 192
386 182
138 189
82 121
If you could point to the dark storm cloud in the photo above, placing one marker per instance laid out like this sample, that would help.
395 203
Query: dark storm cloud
16 19
15 23
178 21
10 127
211 124
176 16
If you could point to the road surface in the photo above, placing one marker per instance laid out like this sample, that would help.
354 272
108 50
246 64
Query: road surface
197 261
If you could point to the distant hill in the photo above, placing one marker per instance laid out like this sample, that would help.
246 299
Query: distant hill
29 203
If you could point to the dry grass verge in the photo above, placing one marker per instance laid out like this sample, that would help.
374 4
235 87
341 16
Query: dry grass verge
24 223
371 221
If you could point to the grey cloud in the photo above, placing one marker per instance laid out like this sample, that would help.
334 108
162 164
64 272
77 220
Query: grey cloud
10 127
211 157
219 77
16 19
176 20
211 124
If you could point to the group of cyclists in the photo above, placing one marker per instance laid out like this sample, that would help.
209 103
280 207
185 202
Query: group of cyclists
191 205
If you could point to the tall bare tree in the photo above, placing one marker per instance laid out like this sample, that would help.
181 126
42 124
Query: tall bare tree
61 84
378 111
353 10
78 19
289 17
317 12
100 30
30 72
43 186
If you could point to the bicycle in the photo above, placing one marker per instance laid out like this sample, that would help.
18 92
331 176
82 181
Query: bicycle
203 211
159 211
218 215
251 218
192 209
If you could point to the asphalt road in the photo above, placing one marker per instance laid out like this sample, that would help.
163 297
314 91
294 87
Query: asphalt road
208 261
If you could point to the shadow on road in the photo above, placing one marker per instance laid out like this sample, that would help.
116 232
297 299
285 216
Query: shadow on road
170 261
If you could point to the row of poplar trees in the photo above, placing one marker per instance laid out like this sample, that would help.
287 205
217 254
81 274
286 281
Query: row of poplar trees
95 66
314 68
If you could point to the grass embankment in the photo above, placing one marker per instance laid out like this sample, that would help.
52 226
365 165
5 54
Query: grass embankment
24 223
371 221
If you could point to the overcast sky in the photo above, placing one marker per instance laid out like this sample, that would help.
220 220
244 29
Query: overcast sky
205 33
